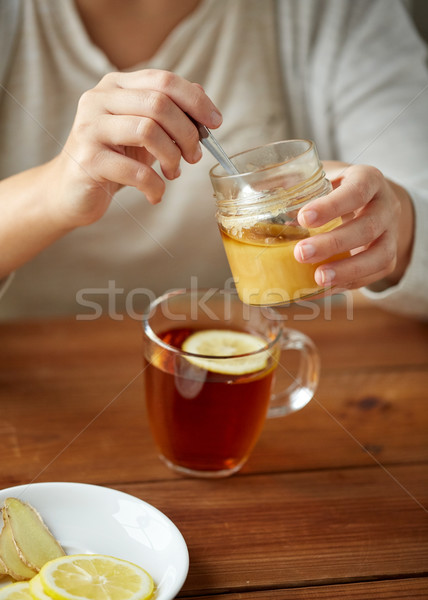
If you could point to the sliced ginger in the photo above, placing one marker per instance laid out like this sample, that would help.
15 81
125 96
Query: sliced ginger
3 570
13 564
33 540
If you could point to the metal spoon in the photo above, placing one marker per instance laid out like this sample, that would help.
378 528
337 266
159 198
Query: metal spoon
212 145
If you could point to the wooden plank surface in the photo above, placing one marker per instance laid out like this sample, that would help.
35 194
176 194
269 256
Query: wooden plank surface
63 388
402 589
333 501
287 530
368 337
354 420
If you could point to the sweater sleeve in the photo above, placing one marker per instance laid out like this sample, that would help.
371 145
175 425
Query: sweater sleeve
409 296
365 81
384 122
10 12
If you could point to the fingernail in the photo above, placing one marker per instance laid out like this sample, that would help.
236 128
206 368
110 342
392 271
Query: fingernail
308 217
305 251
216 118
325 276
177 173
198 154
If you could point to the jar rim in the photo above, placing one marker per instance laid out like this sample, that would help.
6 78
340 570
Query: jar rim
224 176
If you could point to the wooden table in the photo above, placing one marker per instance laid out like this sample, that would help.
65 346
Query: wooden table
331 505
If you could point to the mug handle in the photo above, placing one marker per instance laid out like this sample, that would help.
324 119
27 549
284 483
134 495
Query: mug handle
301 391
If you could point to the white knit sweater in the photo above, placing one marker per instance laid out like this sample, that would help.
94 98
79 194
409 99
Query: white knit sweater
350 75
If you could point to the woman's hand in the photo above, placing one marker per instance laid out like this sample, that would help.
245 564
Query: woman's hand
122 126
377 229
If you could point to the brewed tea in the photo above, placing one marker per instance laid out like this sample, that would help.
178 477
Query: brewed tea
204 420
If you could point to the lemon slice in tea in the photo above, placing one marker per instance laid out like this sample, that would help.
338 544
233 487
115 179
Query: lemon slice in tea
95 577
16 591
226 344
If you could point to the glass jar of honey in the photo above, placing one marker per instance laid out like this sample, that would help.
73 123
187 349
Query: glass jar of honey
257 216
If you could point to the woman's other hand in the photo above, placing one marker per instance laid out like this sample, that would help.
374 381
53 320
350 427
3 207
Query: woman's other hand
377 229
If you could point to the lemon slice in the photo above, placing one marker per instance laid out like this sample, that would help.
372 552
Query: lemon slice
36 589
95 577
16 591
226 344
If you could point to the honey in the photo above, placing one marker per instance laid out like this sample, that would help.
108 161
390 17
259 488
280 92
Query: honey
257 214
263 258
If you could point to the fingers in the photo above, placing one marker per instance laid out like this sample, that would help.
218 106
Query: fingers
366 242
189 97
358 186
368 266
126 123
370 224
161 100
162 112
159 113
144 133
127 171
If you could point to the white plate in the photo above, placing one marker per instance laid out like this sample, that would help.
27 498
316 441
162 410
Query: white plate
94 519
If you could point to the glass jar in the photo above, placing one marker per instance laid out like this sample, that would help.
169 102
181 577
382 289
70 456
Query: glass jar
257 216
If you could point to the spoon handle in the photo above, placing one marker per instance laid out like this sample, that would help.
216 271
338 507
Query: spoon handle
212 145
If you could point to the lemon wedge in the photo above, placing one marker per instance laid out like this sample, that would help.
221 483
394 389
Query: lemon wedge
95 577
226 344
16 591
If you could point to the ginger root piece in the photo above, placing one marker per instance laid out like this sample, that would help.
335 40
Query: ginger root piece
10 558
34 542
3 570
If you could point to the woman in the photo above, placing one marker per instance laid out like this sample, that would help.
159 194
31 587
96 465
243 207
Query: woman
93 117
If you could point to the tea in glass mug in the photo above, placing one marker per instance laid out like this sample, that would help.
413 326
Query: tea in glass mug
257 217
209 373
